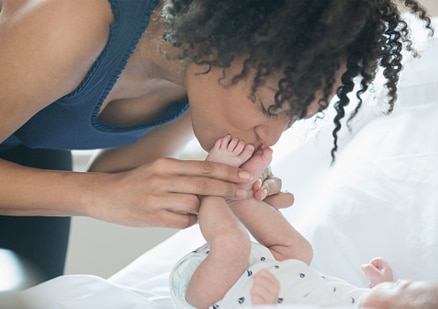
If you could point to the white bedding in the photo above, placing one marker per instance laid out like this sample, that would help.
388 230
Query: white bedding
380 199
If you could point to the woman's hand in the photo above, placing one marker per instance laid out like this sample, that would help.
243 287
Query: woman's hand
268 188
163 193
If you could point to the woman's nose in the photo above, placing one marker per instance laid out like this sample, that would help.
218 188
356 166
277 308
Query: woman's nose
269 135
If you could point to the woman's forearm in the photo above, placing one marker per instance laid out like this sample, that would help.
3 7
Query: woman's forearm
165 141
28 191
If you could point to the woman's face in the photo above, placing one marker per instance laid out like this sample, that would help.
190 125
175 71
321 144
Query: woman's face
219 109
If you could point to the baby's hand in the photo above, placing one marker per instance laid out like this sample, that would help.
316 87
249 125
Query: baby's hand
378 270
265 288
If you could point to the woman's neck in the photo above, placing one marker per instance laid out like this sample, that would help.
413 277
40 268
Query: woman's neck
155 57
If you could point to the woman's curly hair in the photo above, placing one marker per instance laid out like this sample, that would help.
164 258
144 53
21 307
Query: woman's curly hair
307 41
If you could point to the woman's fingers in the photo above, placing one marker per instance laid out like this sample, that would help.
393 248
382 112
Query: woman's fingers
268 188
197 177
176 202
164 193
198 186
177 220
203 169
267 185
133 207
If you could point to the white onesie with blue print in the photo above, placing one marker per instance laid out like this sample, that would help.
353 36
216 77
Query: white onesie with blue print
299 284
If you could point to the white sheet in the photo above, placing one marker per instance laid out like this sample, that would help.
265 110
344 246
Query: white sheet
379 199
79 291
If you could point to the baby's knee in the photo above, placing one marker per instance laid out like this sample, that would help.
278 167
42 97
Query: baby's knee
232 241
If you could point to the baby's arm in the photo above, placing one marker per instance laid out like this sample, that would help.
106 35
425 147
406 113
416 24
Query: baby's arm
265 288
271 229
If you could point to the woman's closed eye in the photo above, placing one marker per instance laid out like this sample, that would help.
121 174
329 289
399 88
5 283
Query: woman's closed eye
267 111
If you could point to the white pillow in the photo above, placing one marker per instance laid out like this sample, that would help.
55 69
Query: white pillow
381 197
381 200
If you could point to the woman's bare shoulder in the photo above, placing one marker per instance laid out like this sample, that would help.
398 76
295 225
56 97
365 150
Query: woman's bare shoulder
48 18
46 49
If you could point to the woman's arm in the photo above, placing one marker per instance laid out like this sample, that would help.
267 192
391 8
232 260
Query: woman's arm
164 141
163 193
40 61
46 49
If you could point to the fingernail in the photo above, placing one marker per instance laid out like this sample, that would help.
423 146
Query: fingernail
245 175
257 185
264 193
241 194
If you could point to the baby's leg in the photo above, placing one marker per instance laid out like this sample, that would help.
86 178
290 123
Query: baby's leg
228 257
266 224
229 242
265 288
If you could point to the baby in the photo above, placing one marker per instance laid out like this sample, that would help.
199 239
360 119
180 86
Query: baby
230 270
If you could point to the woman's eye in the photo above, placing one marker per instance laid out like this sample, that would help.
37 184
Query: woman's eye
266 111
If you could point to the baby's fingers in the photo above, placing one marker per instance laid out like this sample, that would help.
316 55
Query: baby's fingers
265 288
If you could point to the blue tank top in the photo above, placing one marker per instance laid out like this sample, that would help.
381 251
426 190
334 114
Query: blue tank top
72 121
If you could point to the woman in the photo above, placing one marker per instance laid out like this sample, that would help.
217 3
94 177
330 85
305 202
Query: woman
118 75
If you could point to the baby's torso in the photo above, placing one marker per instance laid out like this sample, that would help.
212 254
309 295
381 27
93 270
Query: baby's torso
299 283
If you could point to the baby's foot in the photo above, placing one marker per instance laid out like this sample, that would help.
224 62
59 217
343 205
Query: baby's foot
231 151
259 161
265 288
